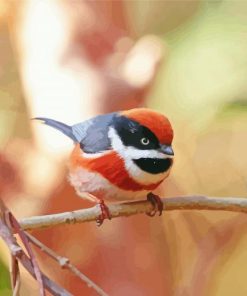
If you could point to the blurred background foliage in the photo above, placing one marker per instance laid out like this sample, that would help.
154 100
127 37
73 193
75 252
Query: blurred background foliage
4 281
201 86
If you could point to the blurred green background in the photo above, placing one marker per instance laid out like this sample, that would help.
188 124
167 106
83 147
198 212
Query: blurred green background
4 281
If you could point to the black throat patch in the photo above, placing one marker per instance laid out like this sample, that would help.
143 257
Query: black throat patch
153 165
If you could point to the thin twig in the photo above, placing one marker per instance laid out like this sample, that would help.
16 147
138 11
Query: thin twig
51 286
6 232
15 224
15 276
234 204
17 252
65 263
14 249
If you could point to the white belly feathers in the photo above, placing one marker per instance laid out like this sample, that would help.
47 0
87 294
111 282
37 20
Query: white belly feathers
94 183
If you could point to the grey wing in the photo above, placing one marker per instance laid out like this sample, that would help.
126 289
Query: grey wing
92 134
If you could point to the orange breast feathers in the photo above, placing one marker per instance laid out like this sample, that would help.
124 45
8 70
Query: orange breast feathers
111 167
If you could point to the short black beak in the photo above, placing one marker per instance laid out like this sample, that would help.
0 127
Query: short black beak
166 150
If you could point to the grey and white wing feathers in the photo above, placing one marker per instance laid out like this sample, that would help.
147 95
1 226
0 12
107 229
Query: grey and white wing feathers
92 134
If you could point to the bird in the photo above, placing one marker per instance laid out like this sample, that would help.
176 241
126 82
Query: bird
119 156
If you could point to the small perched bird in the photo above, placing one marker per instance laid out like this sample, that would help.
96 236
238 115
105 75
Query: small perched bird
119 156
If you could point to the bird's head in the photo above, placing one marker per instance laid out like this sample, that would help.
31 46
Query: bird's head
143 138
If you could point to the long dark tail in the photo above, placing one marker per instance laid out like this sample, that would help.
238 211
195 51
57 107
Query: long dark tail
62 127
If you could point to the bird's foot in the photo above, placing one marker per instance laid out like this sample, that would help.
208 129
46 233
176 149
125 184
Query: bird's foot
157 204
105 213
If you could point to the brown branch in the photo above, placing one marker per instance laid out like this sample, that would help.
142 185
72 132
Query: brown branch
65 263
14 249
51 286
17 253
234 204
12 222
15 276
6 233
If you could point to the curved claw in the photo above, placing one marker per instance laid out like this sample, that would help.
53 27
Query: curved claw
157 204
105 214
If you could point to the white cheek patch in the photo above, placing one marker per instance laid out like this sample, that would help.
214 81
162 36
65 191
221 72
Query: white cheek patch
130 153
137 153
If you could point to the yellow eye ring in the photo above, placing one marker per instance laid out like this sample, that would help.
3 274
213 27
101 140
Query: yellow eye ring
145 141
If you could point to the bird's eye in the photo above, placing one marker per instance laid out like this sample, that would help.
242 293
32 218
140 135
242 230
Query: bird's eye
145 141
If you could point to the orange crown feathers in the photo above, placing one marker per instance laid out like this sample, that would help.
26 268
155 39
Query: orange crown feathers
155 121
